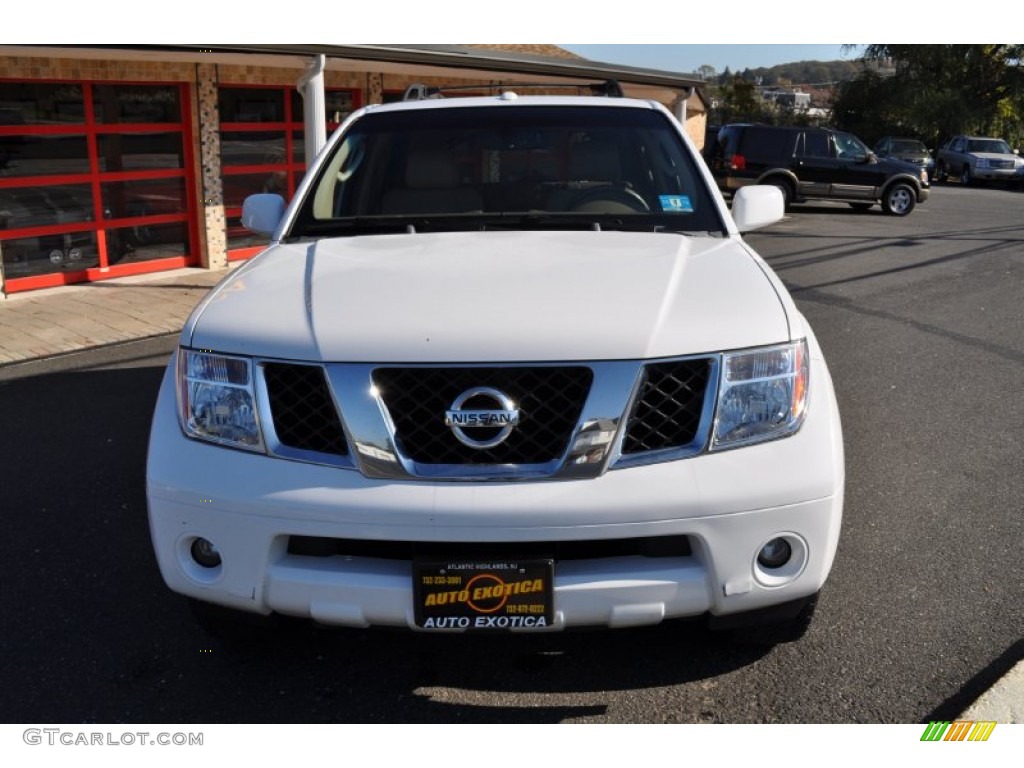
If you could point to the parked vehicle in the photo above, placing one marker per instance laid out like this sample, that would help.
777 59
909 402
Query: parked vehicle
973 159
815 164
907 150
506 364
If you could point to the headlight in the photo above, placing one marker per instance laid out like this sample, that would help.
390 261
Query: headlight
981 162
216 399
762 395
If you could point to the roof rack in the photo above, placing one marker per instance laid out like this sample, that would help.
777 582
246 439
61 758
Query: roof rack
420 92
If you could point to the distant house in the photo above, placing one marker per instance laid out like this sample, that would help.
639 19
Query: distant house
793 99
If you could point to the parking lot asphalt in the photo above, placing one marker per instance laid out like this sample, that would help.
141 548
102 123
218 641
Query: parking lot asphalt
44 324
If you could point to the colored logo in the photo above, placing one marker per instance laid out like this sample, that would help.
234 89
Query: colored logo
958 730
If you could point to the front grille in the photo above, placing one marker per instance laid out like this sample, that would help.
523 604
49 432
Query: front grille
1000 164
549 399
302 408
668 407
655 546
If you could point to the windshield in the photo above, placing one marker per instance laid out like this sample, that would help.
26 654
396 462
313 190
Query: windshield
509 167
997 146
908 146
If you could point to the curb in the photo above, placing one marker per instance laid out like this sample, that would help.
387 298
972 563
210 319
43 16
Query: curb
1003 702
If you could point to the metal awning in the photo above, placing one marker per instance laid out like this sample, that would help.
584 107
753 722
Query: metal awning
488 65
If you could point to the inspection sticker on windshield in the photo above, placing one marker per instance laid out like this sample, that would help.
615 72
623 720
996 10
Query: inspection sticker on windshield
483 595
675 203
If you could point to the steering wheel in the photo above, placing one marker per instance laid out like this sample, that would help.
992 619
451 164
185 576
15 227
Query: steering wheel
609 200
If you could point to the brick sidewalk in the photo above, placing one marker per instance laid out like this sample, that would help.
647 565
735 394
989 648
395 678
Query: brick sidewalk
56 321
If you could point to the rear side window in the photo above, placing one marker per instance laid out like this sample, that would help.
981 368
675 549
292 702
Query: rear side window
814 144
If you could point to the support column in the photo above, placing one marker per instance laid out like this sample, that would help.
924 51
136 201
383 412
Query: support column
314 109
374 88
215 254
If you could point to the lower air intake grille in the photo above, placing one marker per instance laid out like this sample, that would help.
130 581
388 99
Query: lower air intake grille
668 408
303 411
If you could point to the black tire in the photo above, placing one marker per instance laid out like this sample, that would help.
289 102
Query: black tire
785 623
785 188
861 206
965 176
228 625
940 175
899 199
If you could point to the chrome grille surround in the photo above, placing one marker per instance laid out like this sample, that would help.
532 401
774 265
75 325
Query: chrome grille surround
612 404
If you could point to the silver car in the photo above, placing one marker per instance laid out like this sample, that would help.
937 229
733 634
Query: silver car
979 158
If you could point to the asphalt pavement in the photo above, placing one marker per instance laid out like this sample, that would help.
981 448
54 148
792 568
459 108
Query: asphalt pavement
45 324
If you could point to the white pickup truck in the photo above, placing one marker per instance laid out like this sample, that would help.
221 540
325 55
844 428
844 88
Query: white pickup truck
507 364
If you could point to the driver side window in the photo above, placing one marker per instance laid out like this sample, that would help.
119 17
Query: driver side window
849 147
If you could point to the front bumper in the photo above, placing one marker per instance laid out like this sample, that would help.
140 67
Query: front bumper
997 174
728 504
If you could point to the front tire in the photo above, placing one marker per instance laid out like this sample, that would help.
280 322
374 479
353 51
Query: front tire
230 626
965 176
940 174
784 623
899 199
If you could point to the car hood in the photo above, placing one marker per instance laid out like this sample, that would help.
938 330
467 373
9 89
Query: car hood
493 296
911 157
994 155
893 164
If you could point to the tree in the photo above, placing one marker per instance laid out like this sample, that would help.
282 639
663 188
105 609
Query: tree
707 72
739 101
936 91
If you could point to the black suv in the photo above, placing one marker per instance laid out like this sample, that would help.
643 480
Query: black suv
814 163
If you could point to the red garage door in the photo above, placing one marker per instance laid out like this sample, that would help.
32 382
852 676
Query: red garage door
262 148
95 181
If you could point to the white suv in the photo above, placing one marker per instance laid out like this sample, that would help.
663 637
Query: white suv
507 364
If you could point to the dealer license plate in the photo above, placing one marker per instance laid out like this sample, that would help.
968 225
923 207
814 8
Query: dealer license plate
483 595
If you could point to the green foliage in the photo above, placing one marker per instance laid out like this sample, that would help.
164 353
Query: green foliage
935 91
739 102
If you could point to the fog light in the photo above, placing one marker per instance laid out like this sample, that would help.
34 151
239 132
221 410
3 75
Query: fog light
204 553
774 554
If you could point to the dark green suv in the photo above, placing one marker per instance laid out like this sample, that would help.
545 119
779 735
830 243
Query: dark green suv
814 164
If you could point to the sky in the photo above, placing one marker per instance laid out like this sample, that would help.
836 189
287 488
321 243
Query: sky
659 36
687 58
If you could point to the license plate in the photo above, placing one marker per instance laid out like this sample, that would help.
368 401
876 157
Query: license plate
483 595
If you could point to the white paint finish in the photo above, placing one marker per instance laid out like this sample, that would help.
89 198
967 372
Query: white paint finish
495 296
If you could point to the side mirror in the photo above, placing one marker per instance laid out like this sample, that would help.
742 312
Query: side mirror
758 206
262 213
